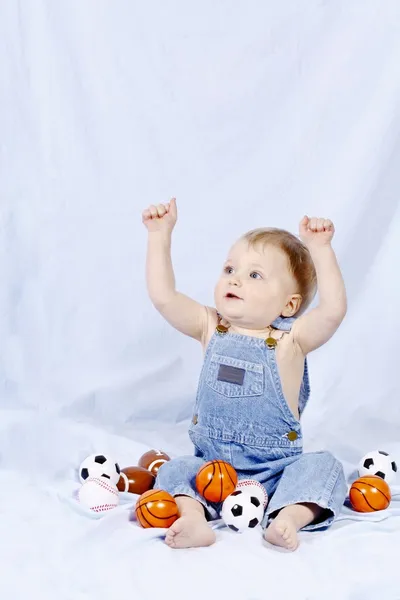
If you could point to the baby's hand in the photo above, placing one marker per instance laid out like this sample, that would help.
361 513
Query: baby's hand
316 232
161 217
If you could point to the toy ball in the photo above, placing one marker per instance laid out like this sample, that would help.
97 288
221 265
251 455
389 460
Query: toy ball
98 494
156 508
242 510
135 480
369 494
215 480
378 463
255 488
99 465
153 460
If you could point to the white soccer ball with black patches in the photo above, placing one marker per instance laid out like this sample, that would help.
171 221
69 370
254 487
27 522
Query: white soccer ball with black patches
378 463
242 510
99 465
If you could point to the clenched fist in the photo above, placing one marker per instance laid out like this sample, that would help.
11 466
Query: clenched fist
316 231
161 217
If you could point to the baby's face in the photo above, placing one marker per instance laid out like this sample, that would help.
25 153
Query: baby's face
255 286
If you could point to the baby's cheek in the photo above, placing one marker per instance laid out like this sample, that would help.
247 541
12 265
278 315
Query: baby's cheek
217 291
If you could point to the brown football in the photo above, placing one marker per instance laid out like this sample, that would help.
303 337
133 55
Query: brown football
135 480
153 460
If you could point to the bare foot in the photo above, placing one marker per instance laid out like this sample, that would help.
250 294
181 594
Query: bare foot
282 532
190 531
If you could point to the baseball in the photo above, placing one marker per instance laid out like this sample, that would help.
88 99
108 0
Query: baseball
98 494
255 488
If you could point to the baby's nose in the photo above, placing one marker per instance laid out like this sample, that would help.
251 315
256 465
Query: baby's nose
235 281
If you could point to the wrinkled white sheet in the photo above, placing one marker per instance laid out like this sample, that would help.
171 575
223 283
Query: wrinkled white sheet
251 114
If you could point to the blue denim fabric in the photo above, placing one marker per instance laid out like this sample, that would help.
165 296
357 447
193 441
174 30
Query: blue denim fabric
241 416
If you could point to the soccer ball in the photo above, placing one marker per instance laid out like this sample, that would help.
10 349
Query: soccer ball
242 510
378 463
99 465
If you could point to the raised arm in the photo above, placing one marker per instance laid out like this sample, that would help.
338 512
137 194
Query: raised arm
183 313
316 327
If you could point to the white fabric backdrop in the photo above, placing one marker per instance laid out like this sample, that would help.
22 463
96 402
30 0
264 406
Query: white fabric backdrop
251 114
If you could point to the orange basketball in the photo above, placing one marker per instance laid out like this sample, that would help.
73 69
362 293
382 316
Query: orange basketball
156 508
370 493
216 480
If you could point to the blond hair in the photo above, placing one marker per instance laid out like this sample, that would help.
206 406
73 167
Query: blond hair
300 262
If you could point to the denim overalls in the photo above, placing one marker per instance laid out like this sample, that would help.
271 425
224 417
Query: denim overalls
241 416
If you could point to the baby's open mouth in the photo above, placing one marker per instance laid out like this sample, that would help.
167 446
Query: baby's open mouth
232 296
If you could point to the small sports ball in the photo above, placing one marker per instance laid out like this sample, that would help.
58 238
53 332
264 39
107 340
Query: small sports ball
255 488
242 510
369 494
99 465
98 494
215 480
156 508
153 460
378 463
135 480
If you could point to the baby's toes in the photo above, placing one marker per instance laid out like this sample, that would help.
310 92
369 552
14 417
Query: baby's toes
176 527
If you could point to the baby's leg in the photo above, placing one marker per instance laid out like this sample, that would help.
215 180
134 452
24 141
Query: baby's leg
191 529
283 529
178 477
309 495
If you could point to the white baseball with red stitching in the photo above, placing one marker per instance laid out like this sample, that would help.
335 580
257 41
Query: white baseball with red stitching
255 487
98 494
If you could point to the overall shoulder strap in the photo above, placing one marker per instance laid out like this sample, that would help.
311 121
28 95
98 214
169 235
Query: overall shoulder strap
283 323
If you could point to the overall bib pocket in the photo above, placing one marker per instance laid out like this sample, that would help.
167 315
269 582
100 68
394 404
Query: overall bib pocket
234 378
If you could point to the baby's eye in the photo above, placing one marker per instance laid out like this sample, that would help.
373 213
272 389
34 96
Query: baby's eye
255 275
228 270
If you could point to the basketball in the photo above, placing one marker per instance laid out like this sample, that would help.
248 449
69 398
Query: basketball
156 508
370 493
216 480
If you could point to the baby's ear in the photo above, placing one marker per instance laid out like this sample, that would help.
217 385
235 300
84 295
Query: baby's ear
293 306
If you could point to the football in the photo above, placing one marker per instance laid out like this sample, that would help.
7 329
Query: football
99 465
378 463
242 510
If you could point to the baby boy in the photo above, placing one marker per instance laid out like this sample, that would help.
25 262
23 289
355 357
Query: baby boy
254 382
